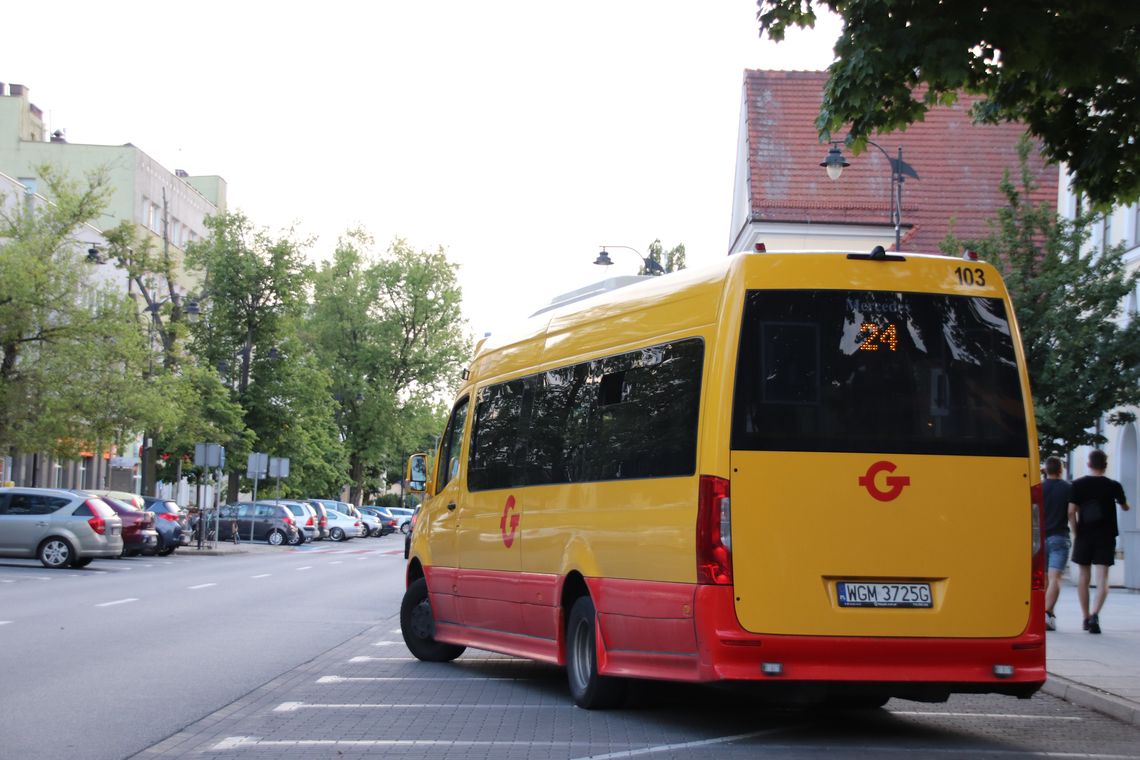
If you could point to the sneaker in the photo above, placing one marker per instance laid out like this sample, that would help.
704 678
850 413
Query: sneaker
1094 624
1050 621
1086 624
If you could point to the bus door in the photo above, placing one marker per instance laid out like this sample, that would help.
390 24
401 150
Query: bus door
442 520
880 466
490 537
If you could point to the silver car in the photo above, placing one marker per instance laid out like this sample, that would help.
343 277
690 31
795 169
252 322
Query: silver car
59 528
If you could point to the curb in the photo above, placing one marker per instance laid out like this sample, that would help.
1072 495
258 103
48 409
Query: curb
1121 709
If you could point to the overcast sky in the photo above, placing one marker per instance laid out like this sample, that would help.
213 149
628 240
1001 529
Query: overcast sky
519 136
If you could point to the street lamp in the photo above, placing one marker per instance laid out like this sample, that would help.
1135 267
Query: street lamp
835 163
651 266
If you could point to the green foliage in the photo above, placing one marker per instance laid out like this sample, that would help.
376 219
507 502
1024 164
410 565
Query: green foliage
70 352
389 330
1082 361
1069 70
672 260
254 289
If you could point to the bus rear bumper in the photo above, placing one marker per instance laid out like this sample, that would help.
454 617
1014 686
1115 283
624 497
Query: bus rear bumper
915 668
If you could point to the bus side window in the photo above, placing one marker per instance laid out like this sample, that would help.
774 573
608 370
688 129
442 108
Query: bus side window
453 442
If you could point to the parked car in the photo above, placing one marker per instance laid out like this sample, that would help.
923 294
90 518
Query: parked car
322 518
342 526
387 522
344 508
371 524
408 535
305 516
60 528
139 533
272 523
167 521
403 518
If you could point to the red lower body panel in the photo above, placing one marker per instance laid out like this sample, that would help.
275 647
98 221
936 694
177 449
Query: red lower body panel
689 632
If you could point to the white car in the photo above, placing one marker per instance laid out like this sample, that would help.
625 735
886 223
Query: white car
341 526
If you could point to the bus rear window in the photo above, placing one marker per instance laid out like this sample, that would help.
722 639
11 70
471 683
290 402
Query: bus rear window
877 372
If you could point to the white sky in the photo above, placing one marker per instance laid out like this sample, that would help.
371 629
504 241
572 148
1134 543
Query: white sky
518 135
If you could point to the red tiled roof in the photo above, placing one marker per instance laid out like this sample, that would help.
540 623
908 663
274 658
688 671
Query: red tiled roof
959 165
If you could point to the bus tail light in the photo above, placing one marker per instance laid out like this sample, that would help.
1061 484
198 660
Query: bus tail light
714 532
1036 499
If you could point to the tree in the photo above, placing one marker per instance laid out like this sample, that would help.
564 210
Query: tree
254 287
390 329
1082 361
672 260
69 351
1068 69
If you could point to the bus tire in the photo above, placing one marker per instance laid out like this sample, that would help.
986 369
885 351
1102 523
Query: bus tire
418 626
589 690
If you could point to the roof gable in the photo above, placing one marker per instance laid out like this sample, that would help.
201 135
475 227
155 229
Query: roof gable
959 164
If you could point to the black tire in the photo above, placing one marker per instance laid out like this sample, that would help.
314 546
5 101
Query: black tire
83 562
337 534
55 553
276 538
296 539
406 528
166 551
418 626
589 690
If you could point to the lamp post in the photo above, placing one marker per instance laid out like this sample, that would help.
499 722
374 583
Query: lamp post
651 266
835 163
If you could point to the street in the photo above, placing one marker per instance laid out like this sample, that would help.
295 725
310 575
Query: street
297 653
102 662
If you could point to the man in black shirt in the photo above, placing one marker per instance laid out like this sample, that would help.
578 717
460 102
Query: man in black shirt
1093 503
1056 491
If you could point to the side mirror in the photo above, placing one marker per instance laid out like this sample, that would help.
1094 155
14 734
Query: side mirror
417 473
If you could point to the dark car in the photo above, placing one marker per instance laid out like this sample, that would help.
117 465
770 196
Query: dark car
139 534
167 521
272 523
387 522
305 515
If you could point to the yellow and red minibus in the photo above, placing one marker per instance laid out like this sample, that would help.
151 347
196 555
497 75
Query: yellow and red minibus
816 472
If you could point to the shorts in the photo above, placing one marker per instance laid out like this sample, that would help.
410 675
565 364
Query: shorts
1057 551
1094 550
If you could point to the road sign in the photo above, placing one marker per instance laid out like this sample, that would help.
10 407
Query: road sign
278 467
257 466
209 455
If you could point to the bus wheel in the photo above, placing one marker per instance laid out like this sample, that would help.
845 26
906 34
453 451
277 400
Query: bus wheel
589 690
418 626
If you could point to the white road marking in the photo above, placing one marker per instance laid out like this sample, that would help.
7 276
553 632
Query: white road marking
1008 716
359 679
684 745
238 742
385 643
306 567
381 659
295 706
263 575
117 601
337 562
5 622
202 585
7 581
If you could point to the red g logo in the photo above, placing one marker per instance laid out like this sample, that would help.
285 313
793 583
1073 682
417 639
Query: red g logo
510 518
895 483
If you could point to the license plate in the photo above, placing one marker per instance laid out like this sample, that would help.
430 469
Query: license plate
852 594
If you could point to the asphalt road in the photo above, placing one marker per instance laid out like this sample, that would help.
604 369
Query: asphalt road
297 654
103 662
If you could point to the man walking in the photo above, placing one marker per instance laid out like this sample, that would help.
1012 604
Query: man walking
1056 491
1092 504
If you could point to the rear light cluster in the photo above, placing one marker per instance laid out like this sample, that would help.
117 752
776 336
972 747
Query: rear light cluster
289 521
168 516
1036 510
97 523
714 532
310 522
